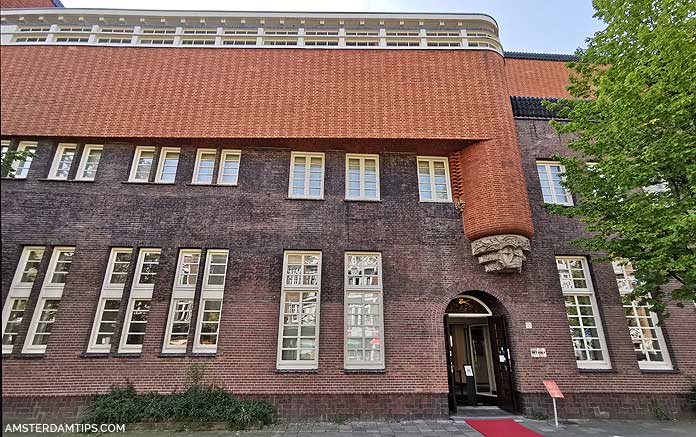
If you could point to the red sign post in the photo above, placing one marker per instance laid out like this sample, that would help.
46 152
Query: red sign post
554 392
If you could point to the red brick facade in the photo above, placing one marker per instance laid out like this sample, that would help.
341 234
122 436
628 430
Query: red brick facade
266 103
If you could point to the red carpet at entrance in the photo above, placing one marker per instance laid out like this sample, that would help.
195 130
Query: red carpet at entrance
502 428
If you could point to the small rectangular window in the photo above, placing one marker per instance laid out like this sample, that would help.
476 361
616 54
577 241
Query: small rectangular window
298 333
551 187
136 322
168 163
364 311
181 306
433 179
89 163
105 320
142 164
148 267
643 325
63 160
49 298
229 167
15 305
582 311
362 177
205 166
210 307
22 167
306 175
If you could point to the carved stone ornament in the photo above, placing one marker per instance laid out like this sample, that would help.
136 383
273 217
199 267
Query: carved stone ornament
501 253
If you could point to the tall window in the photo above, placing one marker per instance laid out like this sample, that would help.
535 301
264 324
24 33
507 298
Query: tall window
433 179
22 167
133 332
362 177
210 307
15 306
306 175
181 306
364 311
205 165
648 340
142 164
229 167
168 163
583 317
89 163
550 179
298 333
62 162
104 328
49 299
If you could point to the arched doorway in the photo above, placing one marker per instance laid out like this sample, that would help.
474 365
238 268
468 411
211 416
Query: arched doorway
478 359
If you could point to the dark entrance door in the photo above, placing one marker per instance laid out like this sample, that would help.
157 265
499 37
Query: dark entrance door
502 364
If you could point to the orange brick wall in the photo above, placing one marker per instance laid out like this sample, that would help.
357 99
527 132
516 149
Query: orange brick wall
537 78
26 4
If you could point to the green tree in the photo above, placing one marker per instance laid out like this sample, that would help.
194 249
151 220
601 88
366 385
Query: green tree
633 119
10 157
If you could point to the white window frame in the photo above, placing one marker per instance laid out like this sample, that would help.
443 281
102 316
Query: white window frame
362 158
109 291
223 155
547 168
197 167
19 290
139 291
619 266
49 291
298 364
379 290
181 292
214 292
62 147
308 157
588 291
164 151
24 145
88 149
136 158
431 160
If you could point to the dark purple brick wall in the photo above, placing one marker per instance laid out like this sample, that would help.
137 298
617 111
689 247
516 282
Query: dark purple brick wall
426 257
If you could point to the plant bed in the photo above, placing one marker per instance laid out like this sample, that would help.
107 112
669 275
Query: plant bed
195 408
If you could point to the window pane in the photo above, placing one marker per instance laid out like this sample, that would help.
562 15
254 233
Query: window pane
31 267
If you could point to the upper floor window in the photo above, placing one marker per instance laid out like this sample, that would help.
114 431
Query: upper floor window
306 175
21 167
643 324
168 163
138 307
91 155
148 267
433 179
205 165
550 179
229 167
181 306
142 164
62 162
582 311
362 177
210 306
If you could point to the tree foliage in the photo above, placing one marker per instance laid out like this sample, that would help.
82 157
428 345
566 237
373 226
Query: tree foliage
9 158
633 119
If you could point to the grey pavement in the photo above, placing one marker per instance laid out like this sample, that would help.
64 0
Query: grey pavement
417 428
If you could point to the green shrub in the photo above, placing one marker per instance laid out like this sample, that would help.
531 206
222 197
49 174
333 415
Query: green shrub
197 406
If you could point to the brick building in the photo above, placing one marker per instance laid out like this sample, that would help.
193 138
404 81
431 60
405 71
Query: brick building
340 213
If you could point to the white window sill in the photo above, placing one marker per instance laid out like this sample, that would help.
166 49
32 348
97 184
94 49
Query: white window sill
435 201
593 366
655 366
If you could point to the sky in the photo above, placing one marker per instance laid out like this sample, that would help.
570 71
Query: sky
544 26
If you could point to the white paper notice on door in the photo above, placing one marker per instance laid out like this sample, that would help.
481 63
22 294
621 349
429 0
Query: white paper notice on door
469 370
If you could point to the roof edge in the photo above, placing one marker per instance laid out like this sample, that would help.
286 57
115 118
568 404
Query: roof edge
562 57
